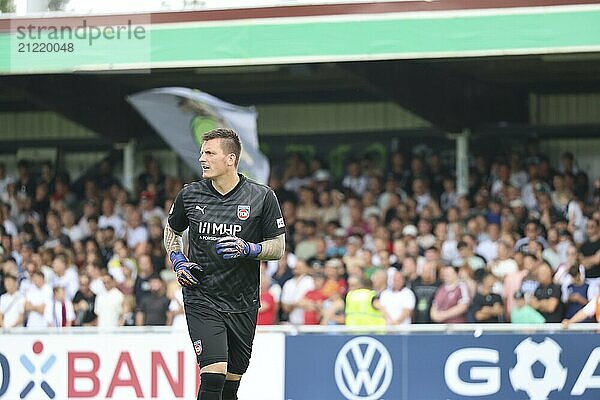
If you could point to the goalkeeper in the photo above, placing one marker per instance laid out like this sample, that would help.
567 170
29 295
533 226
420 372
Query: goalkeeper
233 223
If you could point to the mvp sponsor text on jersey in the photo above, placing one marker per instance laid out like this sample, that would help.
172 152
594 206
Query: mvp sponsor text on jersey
214 230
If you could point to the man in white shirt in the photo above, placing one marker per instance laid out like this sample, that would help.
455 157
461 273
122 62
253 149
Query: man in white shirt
294 290
73 231
398 302
488 248
110 218
65 276
136 232
37 298
108 306
12 304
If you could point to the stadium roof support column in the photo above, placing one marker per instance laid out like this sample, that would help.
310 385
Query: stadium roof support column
129 165
462 162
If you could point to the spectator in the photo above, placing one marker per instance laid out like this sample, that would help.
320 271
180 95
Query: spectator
55 237
334 282
523 313
176 314
65 276
37 298
318 260
588 312
312 302
105 238
424 288
467 276
84 303
568 164
12 304
267 312
360 310
127 287
110 218
59 313
332 312
562 276
504 264
547 296
296 175
449 197
488 248
468 257
128 311
120 261
532 234
25 183
306 247
141 287
135 231
89 210
73 231
149 208
109 304
307 208
283 273
425 238
576 219
590 250
451 300
5 179
326 211
577 294
152 175
487 306
421 194
294 290
152 308
95 271
354 179
379 279
551 253
337 247
502 180
398 302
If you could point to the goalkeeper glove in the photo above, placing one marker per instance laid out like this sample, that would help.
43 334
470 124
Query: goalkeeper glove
233 247
188 273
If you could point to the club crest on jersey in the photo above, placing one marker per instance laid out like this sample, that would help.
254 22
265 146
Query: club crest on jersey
243 212
198 346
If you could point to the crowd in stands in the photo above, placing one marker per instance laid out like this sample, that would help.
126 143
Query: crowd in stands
389 244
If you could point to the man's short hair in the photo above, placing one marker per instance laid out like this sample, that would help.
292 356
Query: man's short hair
231 141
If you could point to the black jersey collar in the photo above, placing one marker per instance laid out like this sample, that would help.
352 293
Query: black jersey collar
231 192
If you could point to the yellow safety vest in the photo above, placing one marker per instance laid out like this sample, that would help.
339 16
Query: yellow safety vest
360 310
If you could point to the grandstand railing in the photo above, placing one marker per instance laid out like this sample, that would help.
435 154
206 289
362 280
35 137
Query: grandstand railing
476 329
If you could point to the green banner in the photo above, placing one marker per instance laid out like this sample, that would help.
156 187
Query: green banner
391 36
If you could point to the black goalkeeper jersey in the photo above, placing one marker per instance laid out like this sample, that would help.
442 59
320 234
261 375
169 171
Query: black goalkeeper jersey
249 211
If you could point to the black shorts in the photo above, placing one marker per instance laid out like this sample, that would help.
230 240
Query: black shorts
221 337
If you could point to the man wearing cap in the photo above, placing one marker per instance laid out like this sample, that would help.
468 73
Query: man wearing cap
523 313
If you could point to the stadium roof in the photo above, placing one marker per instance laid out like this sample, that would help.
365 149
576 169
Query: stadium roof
455 68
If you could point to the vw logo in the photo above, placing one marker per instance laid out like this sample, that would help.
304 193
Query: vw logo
363 369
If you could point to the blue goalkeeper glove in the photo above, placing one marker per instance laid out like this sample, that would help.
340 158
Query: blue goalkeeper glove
233 247
188 273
